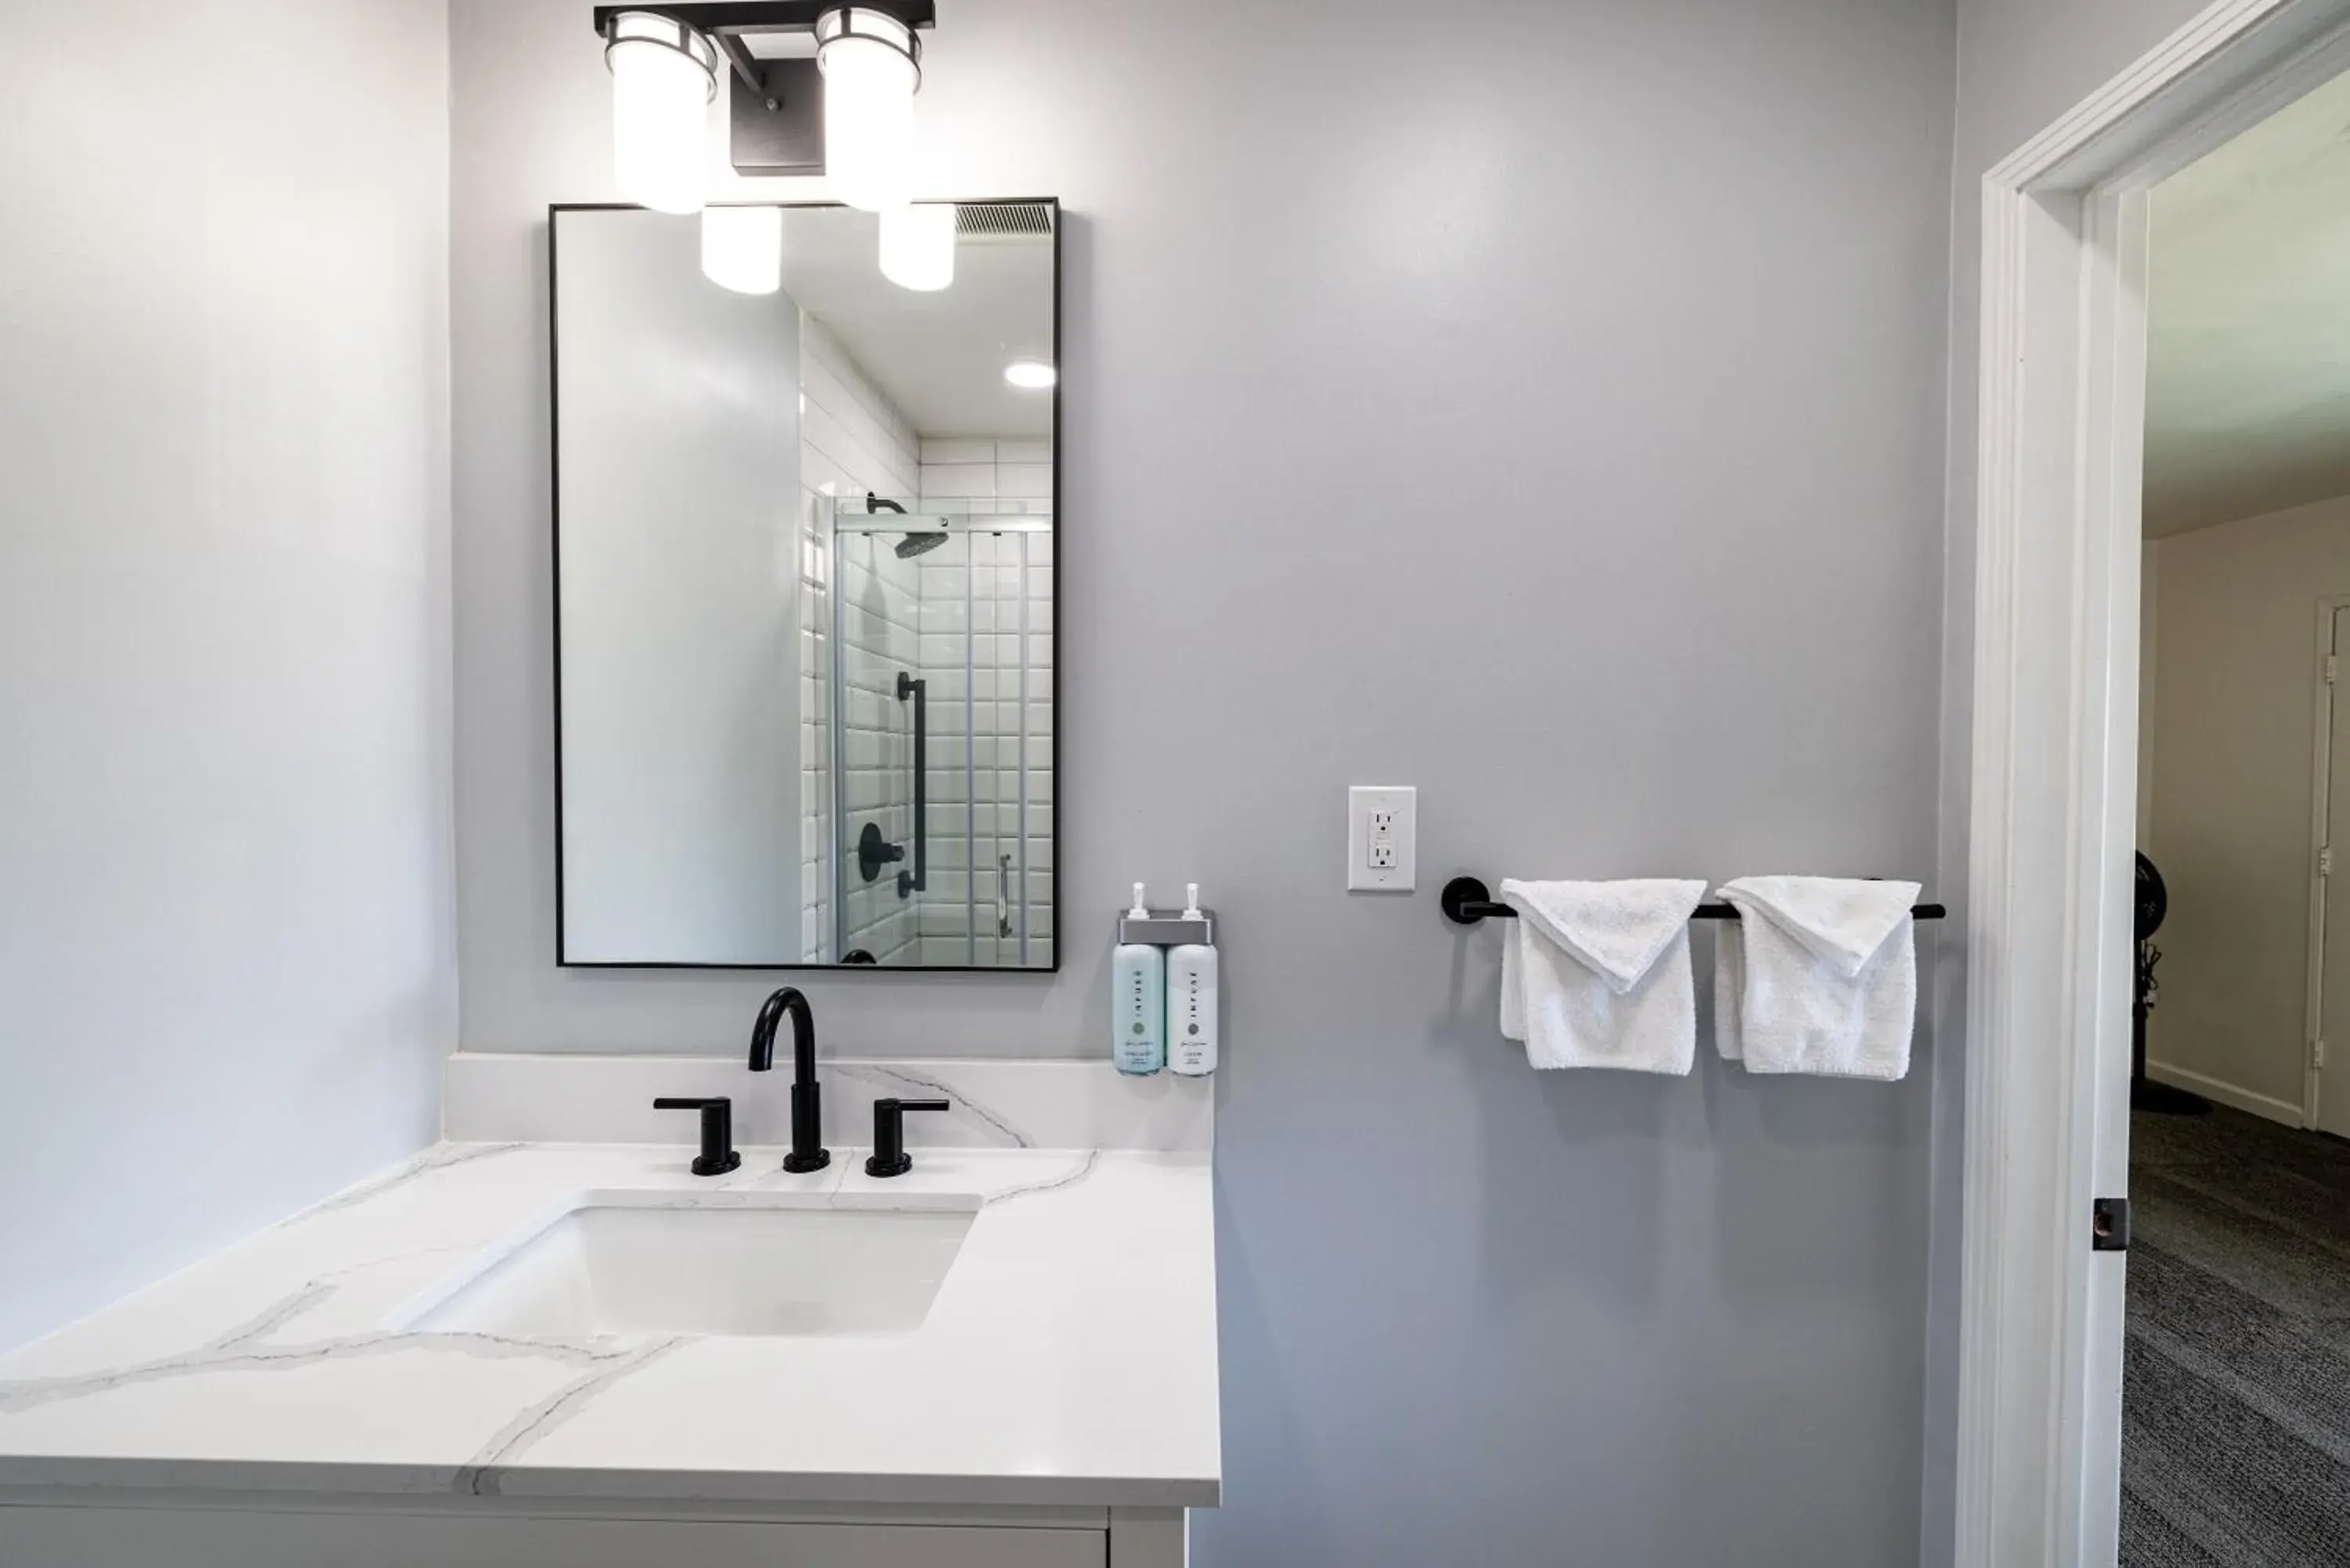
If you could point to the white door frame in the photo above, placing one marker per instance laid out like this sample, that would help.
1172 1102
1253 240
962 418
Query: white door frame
2321 811
2055 761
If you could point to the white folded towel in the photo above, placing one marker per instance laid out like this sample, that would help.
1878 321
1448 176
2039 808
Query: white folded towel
1596 974
1820 975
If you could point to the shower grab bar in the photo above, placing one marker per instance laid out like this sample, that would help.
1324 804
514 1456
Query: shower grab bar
919 878
1003 895
1466 901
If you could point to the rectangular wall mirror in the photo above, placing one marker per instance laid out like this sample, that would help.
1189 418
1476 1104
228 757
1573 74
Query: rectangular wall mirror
806 586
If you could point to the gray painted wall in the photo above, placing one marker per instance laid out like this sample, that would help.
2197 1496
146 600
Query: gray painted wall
1575 395
2022 63
228 923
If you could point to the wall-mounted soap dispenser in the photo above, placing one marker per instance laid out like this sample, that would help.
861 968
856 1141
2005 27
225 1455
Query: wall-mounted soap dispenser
1191 999
1138 1000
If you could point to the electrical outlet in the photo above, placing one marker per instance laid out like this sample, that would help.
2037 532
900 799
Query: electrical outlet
1381 837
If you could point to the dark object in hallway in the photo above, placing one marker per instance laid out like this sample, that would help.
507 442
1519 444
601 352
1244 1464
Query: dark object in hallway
2236 1381
2153 902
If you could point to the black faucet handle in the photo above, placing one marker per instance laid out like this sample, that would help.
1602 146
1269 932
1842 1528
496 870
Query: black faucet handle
889 1157
718 1156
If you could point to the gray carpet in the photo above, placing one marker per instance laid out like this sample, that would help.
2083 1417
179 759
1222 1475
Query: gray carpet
2236 1370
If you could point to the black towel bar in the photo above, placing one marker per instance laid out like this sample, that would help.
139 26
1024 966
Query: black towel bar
1465 901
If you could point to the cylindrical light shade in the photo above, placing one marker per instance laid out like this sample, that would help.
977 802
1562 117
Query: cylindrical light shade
664 75
871 72
743 248
917 245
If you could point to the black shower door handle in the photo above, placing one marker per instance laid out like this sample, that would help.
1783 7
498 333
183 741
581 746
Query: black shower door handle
919 878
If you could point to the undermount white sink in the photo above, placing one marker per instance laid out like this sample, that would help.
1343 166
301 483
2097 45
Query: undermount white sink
744 1264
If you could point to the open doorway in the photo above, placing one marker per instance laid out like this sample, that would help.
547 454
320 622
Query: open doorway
2235 1431
2049 1237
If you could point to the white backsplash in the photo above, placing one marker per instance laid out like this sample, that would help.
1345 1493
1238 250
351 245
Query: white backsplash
998 1103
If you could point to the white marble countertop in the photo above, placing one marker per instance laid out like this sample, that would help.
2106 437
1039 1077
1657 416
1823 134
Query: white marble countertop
1068 1359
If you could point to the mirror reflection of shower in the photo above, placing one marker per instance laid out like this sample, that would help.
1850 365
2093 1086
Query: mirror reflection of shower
804 596
940 717
915 542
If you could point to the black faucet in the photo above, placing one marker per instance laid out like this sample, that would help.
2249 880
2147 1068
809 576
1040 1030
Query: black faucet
808 1152
889 1157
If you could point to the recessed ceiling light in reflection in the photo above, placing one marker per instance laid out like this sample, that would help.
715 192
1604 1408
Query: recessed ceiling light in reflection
1031 374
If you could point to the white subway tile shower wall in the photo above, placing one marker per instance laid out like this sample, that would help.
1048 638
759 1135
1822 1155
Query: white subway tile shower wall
987 620
974 616
1007 475
852 440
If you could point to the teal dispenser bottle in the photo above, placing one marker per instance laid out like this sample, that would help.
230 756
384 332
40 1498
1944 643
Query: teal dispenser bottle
1139 1001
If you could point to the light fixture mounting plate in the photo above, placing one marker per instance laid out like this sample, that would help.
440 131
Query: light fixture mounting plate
778 127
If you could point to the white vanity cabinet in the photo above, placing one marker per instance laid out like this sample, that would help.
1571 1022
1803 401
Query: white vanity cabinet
36 1535
510 1353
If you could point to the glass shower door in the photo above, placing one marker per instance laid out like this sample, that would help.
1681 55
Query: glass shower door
879 857
942 719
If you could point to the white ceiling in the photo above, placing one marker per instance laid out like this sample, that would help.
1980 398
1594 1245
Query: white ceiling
2248 353
938 357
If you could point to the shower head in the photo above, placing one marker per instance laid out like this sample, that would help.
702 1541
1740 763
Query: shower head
912 544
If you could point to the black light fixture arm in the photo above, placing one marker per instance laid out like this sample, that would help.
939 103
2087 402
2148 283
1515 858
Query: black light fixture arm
740 58
1467 900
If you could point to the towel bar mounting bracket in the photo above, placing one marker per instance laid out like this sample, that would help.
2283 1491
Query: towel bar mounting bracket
1466 901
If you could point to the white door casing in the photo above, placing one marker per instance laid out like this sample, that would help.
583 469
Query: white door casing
2054 764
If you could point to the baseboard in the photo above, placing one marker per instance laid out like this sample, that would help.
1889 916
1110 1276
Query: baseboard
2225 1093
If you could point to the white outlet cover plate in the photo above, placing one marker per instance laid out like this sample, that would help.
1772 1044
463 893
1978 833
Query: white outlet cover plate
1366 803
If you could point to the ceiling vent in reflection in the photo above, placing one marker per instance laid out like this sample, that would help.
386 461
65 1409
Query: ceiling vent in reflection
1002 222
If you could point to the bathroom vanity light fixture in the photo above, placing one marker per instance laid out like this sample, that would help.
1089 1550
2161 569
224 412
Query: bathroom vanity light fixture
917 245
1030 375
872 67
664 74
743 248
817 87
